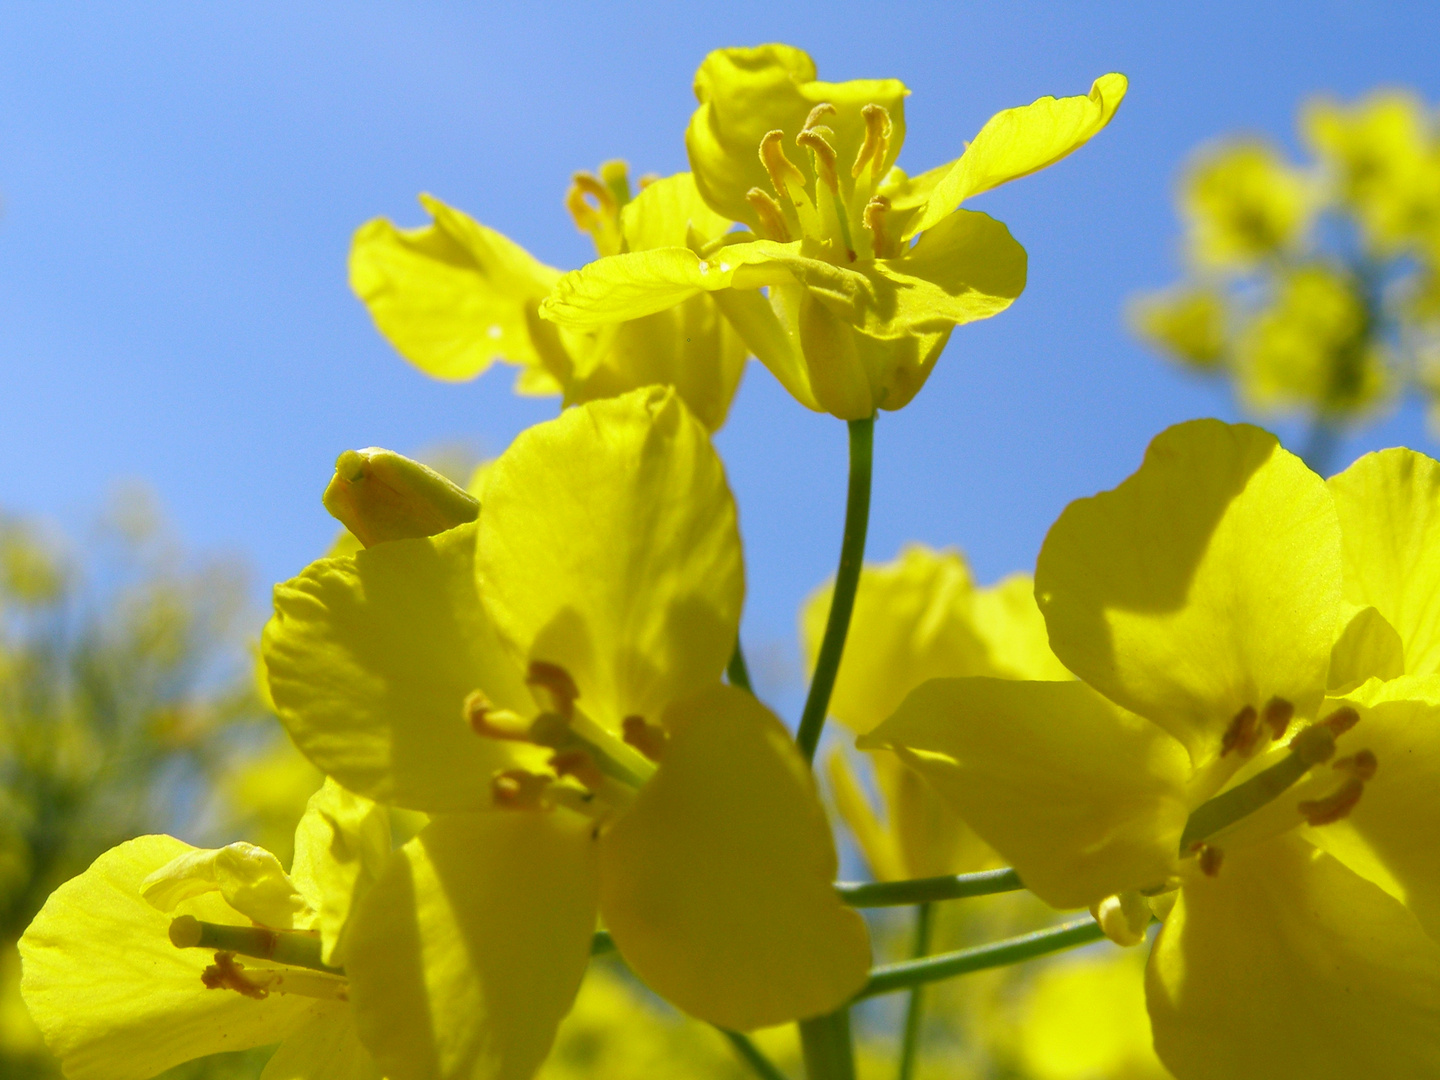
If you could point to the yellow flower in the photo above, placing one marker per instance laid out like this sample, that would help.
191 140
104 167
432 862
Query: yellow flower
1187 322
1384 160
917 618
1201 764
1314 346
454 296
1244 204
581 627
115 977
856 314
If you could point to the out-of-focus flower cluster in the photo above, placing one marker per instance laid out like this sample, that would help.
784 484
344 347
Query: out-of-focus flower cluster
1314 285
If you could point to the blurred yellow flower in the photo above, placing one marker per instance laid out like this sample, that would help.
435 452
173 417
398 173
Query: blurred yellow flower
1188 322
1244 204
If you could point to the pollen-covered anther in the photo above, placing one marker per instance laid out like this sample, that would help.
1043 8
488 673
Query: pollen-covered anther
772 218
1341 720
1333 807
784 173
875 211
1361 765
1277 716
1208 857
579 765
485 719
814 140
877 140
519 789
1243 732
649 739
589 216
226 974
555 682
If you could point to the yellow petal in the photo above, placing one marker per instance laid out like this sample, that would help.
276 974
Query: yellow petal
250 879
470 948
452 297
1389 507
1394 826
1083 798
1009 621
116 1000
370 661
1023 140
611 548
717 884
1207 582
669 213
1368 647
931 838
877 844
340 845
1288 966
326 1047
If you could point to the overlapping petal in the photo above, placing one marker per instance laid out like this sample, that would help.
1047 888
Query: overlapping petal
370 659
327 1047
452 297
1288 966
114 998
470 948
1083 798
745 93
1389 507
248 878
716 884
1208 581
1023 140
610 547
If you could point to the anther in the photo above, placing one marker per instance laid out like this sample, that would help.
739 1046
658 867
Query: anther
818 113
649 739
1278 714
1335 806
555 681
772 218
877 140
875 211
226 974
813 139
784 173
1341 720
485 719
586 214
1208 857
580 765
1361 765
1242 733
616 176
518 789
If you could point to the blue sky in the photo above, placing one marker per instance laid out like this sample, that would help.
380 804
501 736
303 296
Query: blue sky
180 182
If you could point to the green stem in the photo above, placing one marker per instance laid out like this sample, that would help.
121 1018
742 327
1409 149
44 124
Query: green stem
910 1046
762 1065
738 672
888 978
825 1042
293 947
847 580
925 890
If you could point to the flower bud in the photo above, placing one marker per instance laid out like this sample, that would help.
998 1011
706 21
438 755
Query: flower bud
379 495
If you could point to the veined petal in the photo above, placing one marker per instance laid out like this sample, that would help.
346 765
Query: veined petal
717 883
1206 583
452 297
325 1047
611 549
370 661
1389 837
1288 966
1009 622
1389 507
469 949
249 878
1368 648
114 998
340 846
1023 140
1083 798
745 93
667 213
966 267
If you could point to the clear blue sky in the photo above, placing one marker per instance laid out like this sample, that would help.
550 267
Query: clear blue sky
180 182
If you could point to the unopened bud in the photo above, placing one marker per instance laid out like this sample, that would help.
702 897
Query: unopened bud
1123 917
379 496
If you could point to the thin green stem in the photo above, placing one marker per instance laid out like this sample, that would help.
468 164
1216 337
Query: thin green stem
738 672
888 978
914 1009
826 1045
847 580
764 1068
925 890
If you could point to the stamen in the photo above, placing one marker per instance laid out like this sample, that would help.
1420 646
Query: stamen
601 218
818 113
616 176
646 179
1335 806
813 139
772 218
875 211
519 789
1361 765
1208 857
877 140
485 719
1278 714
580 765
784 173
557 683
649 739
1341 720
1242 733
226 974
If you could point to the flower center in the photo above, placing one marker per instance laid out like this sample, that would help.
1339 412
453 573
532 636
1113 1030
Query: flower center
840 211
591 771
